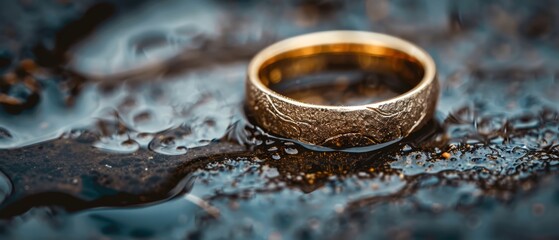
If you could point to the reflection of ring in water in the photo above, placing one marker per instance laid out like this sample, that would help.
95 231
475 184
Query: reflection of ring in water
310 170
329 70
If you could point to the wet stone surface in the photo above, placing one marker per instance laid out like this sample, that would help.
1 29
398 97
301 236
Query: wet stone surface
125 119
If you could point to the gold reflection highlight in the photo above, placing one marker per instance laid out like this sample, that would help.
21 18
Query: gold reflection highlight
309 60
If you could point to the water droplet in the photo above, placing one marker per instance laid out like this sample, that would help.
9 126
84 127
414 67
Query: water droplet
166 145
406 148
276 156
142 117
117 143
490 125
525 122
291 151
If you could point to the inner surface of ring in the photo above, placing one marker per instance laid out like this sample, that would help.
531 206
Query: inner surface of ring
341 74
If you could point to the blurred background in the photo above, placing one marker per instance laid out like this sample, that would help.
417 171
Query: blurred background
124 119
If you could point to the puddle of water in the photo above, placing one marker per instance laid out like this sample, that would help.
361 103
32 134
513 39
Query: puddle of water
169 221
149 34
167 79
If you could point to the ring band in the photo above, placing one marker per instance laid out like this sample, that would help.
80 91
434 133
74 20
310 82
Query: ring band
342 126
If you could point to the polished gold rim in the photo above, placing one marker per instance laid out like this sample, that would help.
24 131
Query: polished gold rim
342 126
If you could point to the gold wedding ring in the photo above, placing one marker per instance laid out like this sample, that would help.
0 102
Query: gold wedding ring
342 126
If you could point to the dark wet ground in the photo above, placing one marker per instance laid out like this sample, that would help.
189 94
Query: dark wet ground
125 119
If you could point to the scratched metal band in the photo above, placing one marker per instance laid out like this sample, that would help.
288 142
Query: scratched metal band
342 126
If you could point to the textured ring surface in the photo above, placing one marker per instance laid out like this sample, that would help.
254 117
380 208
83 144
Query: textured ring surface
342 126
